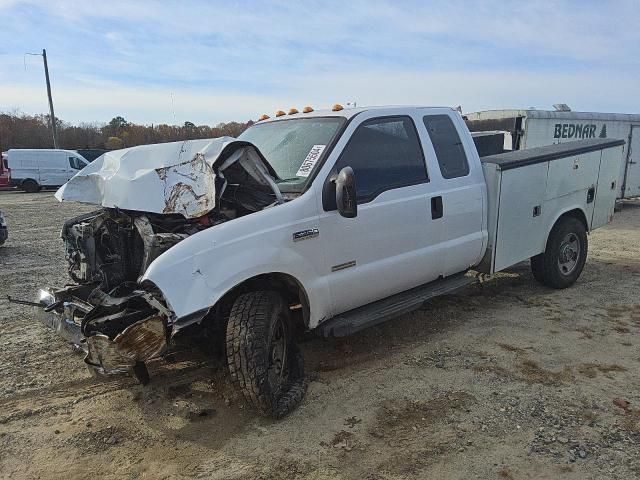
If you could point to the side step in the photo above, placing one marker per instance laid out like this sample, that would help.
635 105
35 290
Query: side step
377 312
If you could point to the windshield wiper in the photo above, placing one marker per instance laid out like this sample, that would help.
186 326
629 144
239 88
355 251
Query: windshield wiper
287 179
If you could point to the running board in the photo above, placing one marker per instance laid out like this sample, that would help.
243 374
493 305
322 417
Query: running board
377 312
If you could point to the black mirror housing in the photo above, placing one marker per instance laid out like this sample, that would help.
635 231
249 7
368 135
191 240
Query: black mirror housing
346 200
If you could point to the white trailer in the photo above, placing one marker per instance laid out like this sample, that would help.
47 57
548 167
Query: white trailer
536 128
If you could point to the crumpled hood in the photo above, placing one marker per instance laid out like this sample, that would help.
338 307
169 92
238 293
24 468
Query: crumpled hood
177 177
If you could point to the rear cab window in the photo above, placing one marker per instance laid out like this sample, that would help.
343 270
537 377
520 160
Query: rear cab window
384 153
450 153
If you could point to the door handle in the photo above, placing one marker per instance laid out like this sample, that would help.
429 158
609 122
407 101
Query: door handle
437 209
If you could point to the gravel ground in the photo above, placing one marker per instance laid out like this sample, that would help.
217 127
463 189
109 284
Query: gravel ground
505 380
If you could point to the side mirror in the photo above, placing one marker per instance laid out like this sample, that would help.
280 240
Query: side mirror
346 201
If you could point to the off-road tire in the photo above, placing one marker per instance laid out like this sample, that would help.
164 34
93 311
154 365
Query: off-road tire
251 323
545 267
30 186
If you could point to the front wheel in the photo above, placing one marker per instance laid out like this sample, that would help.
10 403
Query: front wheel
263 359
30 186
563 260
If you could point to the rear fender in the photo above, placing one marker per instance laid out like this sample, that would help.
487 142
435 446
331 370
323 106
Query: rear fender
576 211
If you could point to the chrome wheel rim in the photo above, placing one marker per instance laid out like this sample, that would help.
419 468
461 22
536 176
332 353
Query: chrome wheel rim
569 254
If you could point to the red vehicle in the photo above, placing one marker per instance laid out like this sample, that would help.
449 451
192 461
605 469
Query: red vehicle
5 172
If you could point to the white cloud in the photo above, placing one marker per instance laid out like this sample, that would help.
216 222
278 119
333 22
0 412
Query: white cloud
472 90
227 60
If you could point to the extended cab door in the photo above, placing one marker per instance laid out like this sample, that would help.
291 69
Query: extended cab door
459 184
394 242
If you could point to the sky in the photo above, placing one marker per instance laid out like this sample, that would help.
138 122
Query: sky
207 62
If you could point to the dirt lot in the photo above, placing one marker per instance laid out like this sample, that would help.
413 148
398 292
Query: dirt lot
506 380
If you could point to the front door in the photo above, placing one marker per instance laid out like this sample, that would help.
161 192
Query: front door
632 186
73 167
393 243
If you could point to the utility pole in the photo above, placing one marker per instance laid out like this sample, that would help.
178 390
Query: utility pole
53 115
54 129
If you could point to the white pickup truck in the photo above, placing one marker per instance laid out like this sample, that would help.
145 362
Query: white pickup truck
330 221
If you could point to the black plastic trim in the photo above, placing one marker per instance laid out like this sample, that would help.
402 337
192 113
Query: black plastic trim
531 156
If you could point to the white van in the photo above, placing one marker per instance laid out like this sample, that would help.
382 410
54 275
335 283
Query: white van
33 169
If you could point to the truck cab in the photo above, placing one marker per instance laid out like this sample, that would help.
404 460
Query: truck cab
420 196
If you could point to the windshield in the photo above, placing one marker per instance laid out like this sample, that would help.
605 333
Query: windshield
293 147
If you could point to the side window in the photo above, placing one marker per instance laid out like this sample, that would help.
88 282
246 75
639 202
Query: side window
76 163
446 142
384 153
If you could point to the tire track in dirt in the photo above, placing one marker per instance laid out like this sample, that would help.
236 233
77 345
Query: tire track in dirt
62 395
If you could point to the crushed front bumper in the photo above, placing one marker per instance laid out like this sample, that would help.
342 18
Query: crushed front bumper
117 353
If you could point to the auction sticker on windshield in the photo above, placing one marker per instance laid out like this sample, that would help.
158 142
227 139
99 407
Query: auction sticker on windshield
310 161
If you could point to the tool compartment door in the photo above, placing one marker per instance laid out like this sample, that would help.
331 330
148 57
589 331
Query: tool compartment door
520 228
573 174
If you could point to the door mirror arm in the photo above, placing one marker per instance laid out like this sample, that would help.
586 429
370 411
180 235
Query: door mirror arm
346 200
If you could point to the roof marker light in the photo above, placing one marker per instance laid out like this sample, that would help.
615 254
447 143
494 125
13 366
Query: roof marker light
337 107
293 111
280 113
307 109
263 117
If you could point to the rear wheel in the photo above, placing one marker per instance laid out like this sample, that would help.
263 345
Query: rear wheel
563 260
263 359
30 186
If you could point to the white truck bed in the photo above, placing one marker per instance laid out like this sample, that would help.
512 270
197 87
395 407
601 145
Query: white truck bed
526 189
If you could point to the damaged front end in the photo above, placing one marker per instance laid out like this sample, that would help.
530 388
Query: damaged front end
153 197
117 334
118 323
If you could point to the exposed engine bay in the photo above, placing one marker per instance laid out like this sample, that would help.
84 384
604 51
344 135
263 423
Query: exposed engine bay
111 247
118 322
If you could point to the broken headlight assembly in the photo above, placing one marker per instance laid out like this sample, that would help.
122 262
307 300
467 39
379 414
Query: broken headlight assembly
118 331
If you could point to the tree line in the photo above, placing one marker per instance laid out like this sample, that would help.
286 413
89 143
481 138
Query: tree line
19 130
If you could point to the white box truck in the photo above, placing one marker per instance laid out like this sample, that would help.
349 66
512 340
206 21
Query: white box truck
330 221
536 128
33 169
